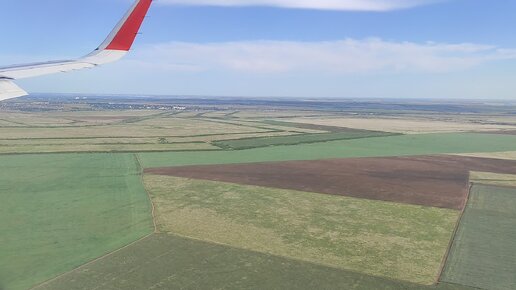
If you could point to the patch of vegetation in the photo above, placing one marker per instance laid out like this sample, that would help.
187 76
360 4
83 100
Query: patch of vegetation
61 211
313 126
397 241
403 145
483 254
172 262
249 143
490 178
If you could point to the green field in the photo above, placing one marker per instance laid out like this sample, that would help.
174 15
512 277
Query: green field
60 211
249 143
163 262
380 146
483 254
397 241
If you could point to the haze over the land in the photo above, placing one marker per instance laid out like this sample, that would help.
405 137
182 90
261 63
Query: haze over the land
373 48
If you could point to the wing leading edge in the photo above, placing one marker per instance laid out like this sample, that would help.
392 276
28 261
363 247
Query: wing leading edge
116 46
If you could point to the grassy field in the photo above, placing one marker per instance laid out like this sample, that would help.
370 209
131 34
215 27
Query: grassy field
509 155
490 178
67 148
483 254
163 262
404 125
249 143
60 211
391 240
148 128
381 146
124 131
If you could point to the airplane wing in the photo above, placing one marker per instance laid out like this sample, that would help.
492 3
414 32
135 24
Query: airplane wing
116 45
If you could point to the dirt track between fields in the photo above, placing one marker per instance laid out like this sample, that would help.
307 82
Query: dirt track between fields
506 132
440 181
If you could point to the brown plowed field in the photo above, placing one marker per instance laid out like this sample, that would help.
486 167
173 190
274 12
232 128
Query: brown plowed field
440 181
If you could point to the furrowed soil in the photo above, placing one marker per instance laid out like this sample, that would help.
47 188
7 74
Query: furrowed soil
483 254
439 181
172 262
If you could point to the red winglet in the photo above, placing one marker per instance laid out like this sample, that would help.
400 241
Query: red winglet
128 29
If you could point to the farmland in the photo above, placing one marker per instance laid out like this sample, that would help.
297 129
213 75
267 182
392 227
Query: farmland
406 125
509 155
172 262
248 143
323 229
490 178
484 253
439 181
404 145
60 211
158 193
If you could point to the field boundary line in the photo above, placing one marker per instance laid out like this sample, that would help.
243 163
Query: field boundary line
208 241
90 262
454 234
153 208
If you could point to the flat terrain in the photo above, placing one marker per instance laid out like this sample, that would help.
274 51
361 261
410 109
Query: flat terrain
124 131
248 143
483 254
60 211
404 125
509 155
378 147
440 181
397 241
163 262
85 221
490 178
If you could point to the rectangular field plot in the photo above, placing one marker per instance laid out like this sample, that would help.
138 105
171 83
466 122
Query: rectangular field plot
296 139
163 262
403 125
396 241
61 211
69 148
483 254
381 146
489 178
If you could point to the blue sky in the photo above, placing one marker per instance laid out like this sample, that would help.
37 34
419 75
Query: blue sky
303 48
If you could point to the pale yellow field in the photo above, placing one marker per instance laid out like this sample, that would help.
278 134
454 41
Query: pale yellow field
257 124
510 155
250 114
135 141
123 131
493 178
147 128
34 119
20 149
405 126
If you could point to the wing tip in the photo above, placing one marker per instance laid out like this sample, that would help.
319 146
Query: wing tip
124 34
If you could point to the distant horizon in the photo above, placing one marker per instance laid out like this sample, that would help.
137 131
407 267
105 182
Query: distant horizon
322 99
446 49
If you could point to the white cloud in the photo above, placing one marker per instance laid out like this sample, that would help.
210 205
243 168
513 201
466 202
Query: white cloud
352 5
338 57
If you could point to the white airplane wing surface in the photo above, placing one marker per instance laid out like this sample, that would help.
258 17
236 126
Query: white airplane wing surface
116 45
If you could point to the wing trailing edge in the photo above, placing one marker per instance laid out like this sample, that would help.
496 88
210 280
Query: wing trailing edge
115 47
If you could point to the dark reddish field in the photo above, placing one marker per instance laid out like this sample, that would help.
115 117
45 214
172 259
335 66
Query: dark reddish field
440 181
